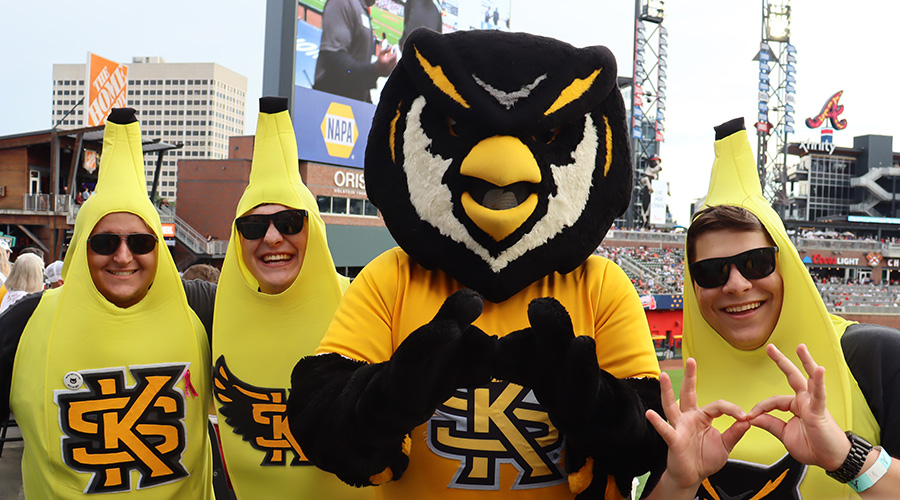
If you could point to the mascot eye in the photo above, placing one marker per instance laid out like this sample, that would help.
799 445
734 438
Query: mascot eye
547 136
457 129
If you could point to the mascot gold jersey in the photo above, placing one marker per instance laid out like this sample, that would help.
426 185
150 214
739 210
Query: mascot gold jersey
111 400
258 337
759 463
498 161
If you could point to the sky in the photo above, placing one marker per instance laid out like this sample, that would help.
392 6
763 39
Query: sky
712 78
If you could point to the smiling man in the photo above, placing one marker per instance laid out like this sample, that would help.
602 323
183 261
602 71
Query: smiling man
749 301
277 293
108 375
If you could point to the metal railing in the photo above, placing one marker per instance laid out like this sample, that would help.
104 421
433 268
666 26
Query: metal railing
41 202
191 238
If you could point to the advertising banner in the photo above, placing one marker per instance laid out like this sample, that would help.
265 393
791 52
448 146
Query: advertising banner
331 129
107 85
658 203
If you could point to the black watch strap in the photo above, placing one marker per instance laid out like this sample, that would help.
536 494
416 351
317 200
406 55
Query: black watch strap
859 451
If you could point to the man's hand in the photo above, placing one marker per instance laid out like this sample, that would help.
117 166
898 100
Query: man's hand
696 448
811 435
385 59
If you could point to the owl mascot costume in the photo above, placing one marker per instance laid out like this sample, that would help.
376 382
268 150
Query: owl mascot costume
258 337
491 355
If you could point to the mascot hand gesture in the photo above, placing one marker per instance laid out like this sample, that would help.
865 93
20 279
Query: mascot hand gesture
597 412
381 403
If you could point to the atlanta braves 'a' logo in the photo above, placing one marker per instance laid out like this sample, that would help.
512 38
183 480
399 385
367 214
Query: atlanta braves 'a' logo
502 422
258 415
110 429
740 480
830 111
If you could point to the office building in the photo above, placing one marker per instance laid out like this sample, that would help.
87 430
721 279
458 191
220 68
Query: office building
197 105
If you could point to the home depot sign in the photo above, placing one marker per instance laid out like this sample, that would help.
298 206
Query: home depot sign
107 88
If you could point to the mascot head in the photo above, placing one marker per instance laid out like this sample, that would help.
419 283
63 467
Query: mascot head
499 158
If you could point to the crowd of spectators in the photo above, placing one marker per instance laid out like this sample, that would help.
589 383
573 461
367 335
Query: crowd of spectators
652 270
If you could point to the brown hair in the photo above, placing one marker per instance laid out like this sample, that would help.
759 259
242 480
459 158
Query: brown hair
720 218
203 272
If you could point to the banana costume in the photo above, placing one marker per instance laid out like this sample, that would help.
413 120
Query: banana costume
748 377
259 337
114 400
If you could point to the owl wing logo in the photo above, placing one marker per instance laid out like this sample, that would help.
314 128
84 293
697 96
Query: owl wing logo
740 480
258 415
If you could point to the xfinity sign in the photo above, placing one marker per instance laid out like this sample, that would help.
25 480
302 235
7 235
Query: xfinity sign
808 146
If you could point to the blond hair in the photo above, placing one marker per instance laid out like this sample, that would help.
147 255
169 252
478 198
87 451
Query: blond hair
27 274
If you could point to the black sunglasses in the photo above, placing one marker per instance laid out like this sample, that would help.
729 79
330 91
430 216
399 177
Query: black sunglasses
752 264
108 243
254 227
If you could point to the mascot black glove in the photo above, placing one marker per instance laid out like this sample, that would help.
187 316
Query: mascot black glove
352 418
601 416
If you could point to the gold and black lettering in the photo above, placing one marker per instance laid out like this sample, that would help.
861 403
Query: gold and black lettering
499 423
258 415
111 429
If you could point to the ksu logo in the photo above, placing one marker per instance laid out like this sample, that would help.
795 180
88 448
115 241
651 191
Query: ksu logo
502 422
110 429
830 111
258 415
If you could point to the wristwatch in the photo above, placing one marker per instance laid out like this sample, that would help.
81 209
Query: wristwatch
859 451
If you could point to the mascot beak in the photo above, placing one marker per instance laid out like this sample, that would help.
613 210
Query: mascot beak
500 195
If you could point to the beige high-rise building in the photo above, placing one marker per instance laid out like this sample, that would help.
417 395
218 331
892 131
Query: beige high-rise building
199 105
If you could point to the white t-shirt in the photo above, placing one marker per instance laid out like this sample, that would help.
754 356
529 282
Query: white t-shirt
11 298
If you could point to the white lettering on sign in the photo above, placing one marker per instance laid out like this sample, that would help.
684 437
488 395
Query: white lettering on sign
848 261
339 130
817 146
344 179
893 262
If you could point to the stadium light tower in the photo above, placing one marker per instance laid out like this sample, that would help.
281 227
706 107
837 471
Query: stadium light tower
777 79
648 95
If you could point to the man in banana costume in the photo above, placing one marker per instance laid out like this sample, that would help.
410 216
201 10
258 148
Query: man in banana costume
108 376
277 293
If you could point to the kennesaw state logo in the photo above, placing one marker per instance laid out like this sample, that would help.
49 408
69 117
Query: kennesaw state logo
502 422
258 415
110 428
740 480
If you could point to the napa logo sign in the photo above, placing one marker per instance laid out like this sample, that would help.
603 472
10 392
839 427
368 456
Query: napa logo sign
339 130
331 129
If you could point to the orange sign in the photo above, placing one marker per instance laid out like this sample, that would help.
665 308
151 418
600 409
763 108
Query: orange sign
107 88
168 230
90 161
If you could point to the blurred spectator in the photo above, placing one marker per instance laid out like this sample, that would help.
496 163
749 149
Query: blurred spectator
203 272
27 276
54 274
4 260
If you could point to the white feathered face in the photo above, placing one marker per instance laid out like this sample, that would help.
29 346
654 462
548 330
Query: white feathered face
494 170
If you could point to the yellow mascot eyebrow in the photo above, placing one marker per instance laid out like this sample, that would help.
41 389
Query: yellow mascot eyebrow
440 79
393 137
575 90
609 146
